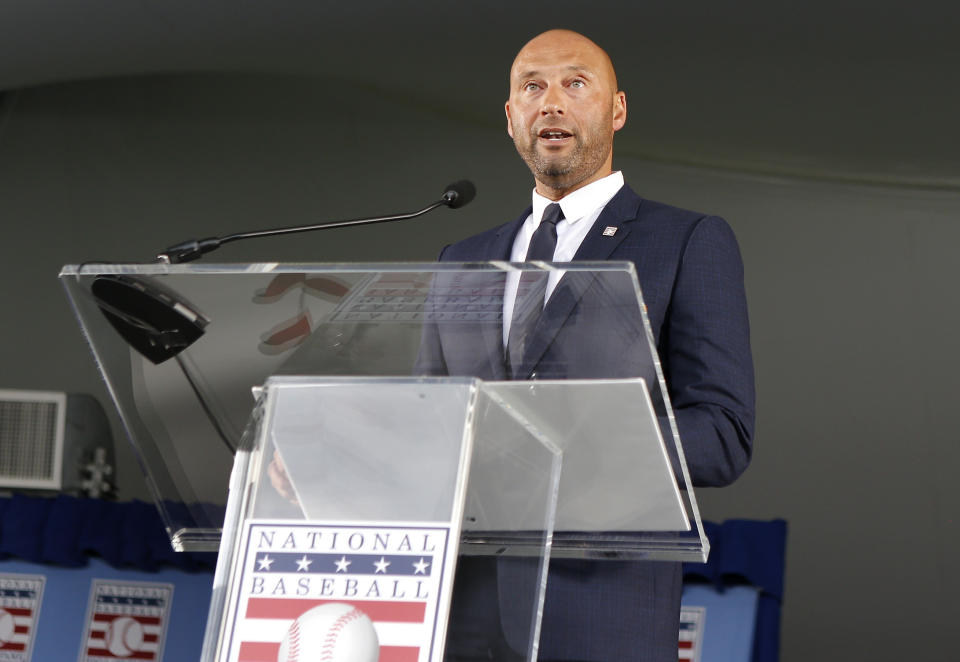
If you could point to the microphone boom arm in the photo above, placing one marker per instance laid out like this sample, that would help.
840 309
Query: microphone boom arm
457 195
188 251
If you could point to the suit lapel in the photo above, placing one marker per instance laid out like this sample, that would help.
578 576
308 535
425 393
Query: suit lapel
619 214
500 247
502 243
562 302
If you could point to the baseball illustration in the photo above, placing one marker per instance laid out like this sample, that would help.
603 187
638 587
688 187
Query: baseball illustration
124 636
7 626
333 632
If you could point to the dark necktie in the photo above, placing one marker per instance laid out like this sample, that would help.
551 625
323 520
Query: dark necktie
533 286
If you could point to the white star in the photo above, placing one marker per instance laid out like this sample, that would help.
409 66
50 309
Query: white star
303 564
381 565
265 562
343 564
420 568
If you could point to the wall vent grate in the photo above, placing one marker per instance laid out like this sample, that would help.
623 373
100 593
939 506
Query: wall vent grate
31 438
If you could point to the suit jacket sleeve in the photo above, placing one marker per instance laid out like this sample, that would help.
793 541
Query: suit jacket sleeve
704 346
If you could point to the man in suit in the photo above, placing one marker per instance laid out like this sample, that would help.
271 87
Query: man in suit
562 113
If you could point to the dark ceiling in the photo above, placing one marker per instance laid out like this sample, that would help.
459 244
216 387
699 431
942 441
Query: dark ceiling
862 91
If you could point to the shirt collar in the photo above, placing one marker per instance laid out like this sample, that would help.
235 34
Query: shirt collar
584 200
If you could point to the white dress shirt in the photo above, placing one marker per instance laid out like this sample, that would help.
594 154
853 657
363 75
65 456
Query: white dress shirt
580 210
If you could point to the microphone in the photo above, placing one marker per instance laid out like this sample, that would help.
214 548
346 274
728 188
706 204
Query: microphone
459 193
456 195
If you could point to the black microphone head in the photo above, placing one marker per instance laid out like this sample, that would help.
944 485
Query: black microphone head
459 193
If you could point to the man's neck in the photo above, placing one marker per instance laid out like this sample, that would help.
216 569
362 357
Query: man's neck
556 191
583 199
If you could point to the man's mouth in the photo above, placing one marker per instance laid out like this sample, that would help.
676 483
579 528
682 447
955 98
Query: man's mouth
554 134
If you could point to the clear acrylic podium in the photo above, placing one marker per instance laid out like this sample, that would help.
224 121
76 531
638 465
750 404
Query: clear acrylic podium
388 472
383 391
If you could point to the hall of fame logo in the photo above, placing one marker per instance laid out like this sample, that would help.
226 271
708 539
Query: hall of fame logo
339 593
20 599
126 620
690 644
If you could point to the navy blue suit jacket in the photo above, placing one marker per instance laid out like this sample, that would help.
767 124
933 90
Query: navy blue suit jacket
691 278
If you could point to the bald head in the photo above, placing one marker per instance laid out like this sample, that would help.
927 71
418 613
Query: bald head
558 43
563 110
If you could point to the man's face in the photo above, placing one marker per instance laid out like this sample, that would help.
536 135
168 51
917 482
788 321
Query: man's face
563 110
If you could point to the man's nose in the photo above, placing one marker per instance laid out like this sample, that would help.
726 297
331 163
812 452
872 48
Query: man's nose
551 102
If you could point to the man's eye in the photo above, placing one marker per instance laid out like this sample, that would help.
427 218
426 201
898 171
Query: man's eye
577 83
531 87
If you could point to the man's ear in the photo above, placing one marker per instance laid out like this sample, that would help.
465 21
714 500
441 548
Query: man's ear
619 110
506 109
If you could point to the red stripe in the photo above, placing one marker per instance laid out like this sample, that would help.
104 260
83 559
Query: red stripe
21 629
399 653
136 655
150 638
383 612
143 620
260 651
12 647
13 611
685 644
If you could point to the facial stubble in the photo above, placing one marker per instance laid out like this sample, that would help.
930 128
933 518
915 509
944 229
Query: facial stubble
588 155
